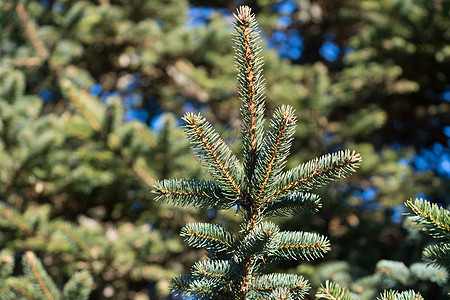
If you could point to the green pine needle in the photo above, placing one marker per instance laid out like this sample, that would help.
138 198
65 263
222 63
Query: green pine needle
181 283
394 295
191 193
393 271
430 218
79 286
35 273
317 172
264 285
431 273
275 149
6 263
250 86
21 288
333 291
10 218
281 294
294 204
260 241
215 155
209 236
438 254
302 245
216 269
205 288
200 287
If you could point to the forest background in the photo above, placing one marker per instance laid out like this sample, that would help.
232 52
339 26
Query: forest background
91 94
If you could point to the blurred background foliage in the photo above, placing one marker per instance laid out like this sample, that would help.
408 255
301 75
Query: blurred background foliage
91 94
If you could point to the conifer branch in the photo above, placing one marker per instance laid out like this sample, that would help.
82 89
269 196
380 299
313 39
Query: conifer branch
67 229
6 263
144 134
31 31
435 221
191 193
317 172
21 287
142 173
394 295
260 190
281 294
208 236
333 291
34 269
13 87
260 241
12 219
108 122
302 245
431 218
78 287
394 269
181 284
204 289
263 285
250 86
275 149
216 269
295 203
430 272
77 98
216 155
185 84
200 287
438 254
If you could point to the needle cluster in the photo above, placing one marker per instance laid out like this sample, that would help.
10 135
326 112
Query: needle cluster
258 187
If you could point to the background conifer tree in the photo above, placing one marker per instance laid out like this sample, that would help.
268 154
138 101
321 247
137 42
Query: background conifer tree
426 217
51 161
35 282
367 75
258 189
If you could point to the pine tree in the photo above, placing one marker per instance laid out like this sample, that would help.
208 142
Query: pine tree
60 159
51 162
258 189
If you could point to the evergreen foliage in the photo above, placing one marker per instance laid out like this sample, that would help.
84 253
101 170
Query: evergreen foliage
389 274
388 295
332 290
256 189
434 221
431 275
35 283
50 161
67 160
